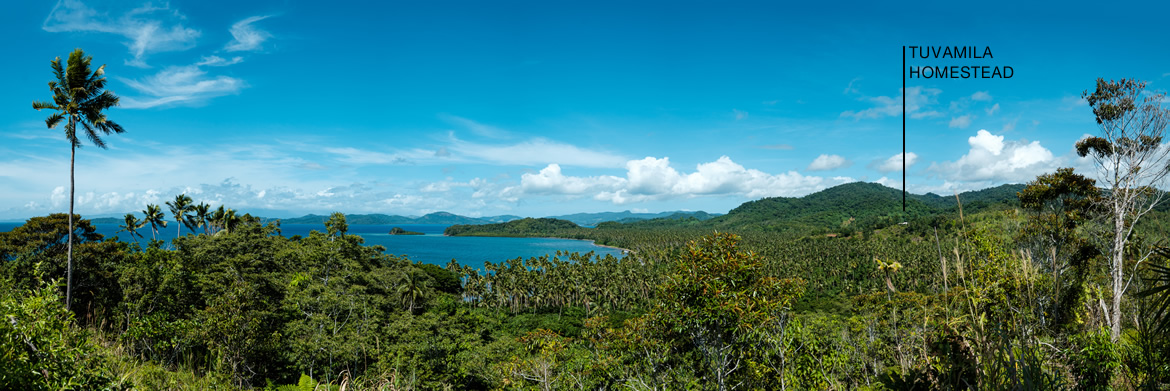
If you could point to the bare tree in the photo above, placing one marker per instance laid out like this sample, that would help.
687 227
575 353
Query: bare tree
1131 163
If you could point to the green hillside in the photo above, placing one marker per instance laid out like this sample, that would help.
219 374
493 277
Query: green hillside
523 227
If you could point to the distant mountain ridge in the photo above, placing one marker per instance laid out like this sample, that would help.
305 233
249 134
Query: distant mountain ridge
860 203
592 219
377 218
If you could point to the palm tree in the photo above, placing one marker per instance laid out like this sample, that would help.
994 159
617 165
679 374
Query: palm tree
153 215
412 285
202 216
79 96
179 208
131 226
224 219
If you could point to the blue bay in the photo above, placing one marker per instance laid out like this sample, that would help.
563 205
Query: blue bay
432 247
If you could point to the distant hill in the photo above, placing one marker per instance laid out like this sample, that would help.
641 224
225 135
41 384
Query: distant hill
857 206
373 219
520 228
592 219
107 220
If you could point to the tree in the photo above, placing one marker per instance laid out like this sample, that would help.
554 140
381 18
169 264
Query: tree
79 97
713 299
201 217
1131 162
179 208
153 216
1061 202
336 226
131 226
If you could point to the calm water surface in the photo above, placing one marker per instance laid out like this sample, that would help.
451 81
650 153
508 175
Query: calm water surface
432 247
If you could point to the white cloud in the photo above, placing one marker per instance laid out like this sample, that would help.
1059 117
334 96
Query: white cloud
894 163
782 147
739 114
981 96
247 37
476 127
653 178
961 122
360 156
534 152
550 180
990 158
149 29
917 101
994 109
217 61
179 85
827 162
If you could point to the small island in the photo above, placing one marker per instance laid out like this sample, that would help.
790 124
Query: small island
400 231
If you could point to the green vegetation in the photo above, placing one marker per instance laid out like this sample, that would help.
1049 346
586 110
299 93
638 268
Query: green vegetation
400 231
521 228
836 290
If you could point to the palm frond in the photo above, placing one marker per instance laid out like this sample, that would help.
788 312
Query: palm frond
54 119
92 135
1160 290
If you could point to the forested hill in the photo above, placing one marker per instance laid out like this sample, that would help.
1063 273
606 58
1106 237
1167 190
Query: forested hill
592 219
525 227
857 206
432 218
847 208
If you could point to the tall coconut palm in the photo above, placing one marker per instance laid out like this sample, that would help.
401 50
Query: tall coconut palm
155 218
79 97
179 208
131 226
201 217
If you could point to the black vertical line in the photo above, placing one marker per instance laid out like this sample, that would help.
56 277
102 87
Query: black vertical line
903 128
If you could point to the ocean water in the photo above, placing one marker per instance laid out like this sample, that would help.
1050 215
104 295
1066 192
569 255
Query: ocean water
432 247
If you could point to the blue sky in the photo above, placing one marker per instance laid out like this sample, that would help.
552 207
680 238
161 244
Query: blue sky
545 108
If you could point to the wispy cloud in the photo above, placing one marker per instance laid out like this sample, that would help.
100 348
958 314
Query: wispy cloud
247 37
479 129
739 114
782 147
961 122
217 61
917 101
148 28
534 152
180 85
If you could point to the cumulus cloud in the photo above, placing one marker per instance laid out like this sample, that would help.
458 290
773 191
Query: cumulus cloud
148 28
653 178
827 162
991 158
247 37
961 122
894 163
981 96
550 180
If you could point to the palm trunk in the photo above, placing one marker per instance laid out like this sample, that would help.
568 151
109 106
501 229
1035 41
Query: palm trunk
69 264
